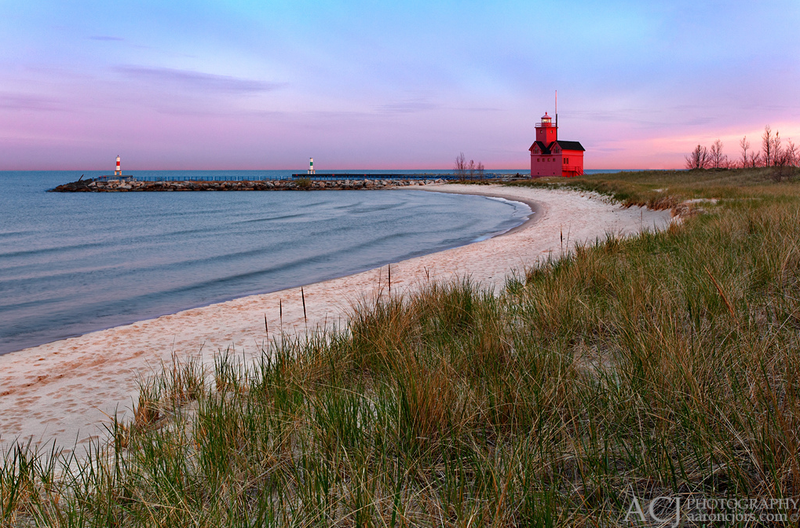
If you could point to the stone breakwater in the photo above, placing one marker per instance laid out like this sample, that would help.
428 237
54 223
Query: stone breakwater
247 185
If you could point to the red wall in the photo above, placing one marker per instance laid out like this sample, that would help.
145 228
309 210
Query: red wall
549 165
553 165
575 165
546 134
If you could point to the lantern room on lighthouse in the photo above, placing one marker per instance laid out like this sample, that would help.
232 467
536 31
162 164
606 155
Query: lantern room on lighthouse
551 156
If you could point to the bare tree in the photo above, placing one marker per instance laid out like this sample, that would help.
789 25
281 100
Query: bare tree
698 158
481 170
777 150
745 146
717 159
461 166
782 159
792 154
471 169
766 146
785 156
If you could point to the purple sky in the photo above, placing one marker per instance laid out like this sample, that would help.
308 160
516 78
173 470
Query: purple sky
401 85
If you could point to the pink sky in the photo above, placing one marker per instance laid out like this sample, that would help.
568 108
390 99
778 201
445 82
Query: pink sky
356 85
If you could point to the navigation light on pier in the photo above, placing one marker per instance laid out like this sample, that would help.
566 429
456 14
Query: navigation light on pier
117 171
311 165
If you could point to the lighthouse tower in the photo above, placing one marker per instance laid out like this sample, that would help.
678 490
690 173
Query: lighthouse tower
551 156
117 171
311 165
546 132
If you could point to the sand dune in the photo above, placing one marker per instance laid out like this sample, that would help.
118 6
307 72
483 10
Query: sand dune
66 390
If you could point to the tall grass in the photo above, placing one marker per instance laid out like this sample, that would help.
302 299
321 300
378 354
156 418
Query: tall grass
661 365
666 189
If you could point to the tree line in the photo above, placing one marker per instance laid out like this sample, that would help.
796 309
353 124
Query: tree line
469 170
773 153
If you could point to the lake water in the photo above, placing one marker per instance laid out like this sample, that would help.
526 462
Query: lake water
75 263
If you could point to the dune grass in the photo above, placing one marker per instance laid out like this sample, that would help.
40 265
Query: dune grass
665 365
666 189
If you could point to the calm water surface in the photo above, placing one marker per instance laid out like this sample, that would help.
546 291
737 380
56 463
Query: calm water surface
75 263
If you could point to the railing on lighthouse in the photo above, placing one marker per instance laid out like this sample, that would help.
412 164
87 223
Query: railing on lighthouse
547 121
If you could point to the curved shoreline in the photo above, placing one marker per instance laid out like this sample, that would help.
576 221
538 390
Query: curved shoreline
536 207
147 313
64 391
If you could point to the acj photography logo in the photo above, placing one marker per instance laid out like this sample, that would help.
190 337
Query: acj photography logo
679 511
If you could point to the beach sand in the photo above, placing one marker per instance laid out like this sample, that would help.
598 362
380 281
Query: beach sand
67 391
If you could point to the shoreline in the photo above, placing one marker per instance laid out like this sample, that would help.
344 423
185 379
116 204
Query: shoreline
64 391
534 207
537 208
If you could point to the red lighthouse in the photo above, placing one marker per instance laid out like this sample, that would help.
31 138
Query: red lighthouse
551 156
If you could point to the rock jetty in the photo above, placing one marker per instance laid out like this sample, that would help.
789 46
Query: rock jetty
247 185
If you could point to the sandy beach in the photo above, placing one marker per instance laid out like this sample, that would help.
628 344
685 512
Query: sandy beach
67 390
